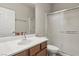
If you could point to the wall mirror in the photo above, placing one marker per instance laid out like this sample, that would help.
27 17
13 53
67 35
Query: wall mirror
16 19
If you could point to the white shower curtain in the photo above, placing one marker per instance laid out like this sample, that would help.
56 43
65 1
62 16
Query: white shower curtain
63 31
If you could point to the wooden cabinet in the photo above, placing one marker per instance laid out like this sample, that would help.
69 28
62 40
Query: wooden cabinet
38 50
23 53
34 50
43 45
42 52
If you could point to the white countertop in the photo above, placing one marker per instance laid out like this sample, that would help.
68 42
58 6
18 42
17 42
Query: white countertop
12 47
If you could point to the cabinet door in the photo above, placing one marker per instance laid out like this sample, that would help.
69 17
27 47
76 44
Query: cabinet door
23 53
43 52
34 50
44 45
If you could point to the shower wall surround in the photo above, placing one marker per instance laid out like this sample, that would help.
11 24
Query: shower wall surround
63 30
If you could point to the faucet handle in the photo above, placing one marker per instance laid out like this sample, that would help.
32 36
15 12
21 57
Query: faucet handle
13 33
24 33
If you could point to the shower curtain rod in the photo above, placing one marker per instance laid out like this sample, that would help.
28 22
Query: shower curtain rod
63 10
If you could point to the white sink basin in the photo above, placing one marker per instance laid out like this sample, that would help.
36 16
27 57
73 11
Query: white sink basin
27 41
24 41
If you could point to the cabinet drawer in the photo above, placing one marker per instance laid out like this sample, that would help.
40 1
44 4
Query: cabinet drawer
23 53
43 45
43 52
34 50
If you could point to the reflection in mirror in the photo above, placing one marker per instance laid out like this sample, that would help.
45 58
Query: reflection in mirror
16 19
7 22
25 26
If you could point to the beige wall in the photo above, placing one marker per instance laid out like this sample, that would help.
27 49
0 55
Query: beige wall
23 12
41 11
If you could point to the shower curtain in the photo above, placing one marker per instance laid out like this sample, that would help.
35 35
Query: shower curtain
63 31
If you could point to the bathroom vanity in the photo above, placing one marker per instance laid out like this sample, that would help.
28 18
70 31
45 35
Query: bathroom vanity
37 50
34 46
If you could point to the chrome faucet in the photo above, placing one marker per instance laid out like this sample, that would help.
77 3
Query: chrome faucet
24 35
13 33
